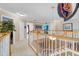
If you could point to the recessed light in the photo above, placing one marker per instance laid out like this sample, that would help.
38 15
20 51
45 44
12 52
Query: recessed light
20 14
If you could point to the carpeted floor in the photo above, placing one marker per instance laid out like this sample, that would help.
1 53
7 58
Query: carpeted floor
21 49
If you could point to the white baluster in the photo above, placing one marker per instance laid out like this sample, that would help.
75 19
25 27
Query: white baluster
49 48
44 46
73 47
76 46
65 48
52 46
60 46
55 47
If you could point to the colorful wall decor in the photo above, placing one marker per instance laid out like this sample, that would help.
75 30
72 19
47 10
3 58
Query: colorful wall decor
67 10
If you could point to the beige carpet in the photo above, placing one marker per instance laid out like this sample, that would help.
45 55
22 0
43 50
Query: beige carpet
21 49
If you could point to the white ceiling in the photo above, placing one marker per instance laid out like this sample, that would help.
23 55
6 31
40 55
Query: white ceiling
33 10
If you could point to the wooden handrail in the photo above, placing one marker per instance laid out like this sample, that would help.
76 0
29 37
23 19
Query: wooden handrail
65 38
64 31
58 36
2 35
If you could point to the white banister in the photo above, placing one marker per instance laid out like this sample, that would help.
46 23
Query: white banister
60 45
65 47
49 48
55 47
5 45
76 46
73 47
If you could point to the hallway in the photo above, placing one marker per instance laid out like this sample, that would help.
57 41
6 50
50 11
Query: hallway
21 49
45 29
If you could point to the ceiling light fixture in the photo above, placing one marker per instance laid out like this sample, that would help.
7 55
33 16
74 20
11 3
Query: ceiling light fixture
21 14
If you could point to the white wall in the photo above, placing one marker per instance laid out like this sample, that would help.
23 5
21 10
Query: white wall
21 30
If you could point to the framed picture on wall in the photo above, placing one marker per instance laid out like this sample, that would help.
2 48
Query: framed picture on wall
68 26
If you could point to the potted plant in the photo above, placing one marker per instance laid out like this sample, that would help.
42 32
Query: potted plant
7 26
